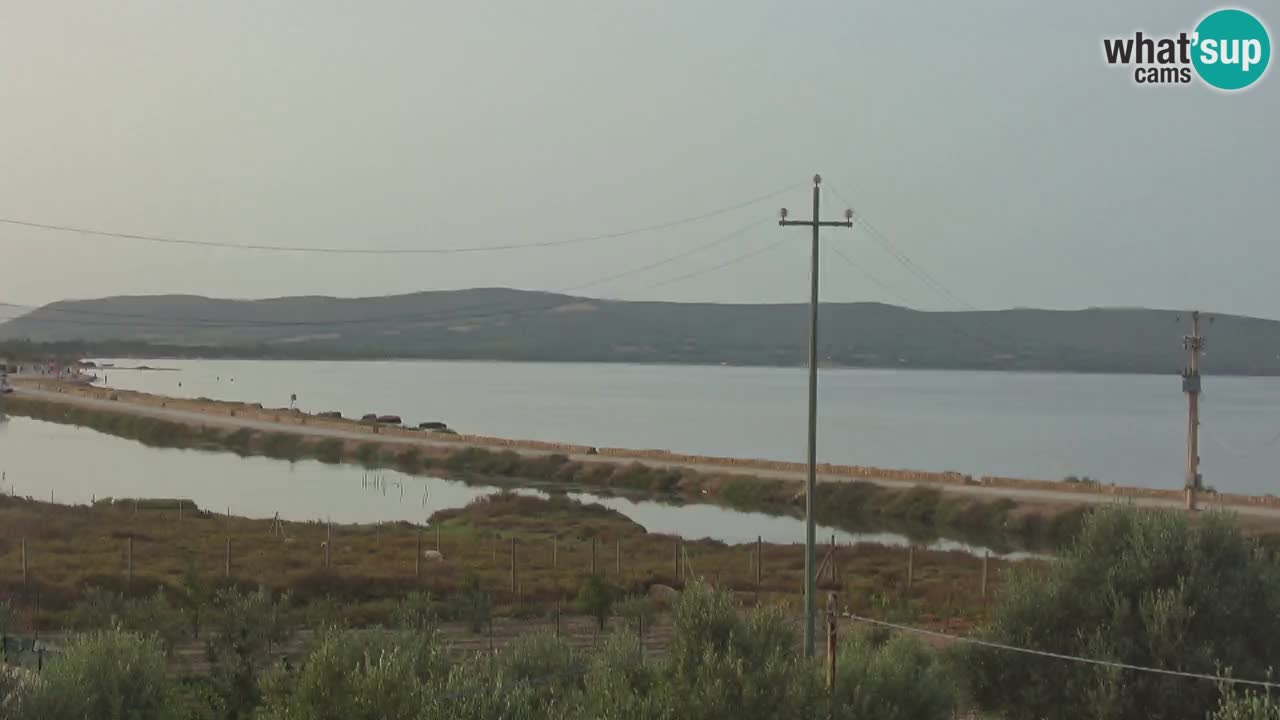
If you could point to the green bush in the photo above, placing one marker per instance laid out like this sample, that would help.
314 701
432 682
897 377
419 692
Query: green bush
107 675
239 647
899 679
1145 588
595 598
350 675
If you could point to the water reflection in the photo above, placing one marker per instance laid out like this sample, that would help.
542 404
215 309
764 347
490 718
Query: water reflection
78 465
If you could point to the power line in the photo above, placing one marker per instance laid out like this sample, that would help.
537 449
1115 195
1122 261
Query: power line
160 321
704 271
871 278
1061 656
396 251
903 259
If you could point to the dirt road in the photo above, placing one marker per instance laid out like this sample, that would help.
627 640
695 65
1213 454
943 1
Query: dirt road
1254 514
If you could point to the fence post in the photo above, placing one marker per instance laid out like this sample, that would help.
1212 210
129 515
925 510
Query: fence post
617 558
25 586
557 619
513 566
911 565
555 552
417 557
759 560
831 643
328 544
128 559
593 555
437 538
675 560
179 510
831 572
227 569
985 557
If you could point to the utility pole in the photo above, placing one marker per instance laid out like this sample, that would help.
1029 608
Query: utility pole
811 482
1194 344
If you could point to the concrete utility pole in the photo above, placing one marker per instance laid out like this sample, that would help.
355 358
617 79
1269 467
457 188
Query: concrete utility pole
1194 344
811 483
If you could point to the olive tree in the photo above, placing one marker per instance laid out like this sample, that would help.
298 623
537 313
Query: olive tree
105 675
1141 587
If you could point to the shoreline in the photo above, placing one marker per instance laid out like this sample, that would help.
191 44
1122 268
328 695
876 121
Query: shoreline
947 481
1019 513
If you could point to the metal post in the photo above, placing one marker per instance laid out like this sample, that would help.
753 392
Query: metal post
1194 344
811 480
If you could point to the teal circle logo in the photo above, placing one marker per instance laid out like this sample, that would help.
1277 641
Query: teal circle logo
1231 49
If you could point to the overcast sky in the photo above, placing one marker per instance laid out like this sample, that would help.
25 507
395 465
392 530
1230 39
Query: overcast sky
988 140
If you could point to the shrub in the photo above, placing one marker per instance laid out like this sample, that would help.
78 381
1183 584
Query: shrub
349 675
899 679
238 649
595 598
1145 588
723 666
417 613
108 675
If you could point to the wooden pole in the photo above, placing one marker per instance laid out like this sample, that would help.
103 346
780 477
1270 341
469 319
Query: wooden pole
911 565
985 557
831 571
179 511
831 643
759 561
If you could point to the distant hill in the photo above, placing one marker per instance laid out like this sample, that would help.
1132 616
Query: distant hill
501 324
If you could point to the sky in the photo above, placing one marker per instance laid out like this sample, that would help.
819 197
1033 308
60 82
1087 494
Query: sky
988 141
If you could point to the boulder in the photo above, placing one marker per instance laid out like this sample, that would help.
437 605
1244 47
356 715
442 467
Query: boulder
433 555
389 419
330 414
370 417
431 426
